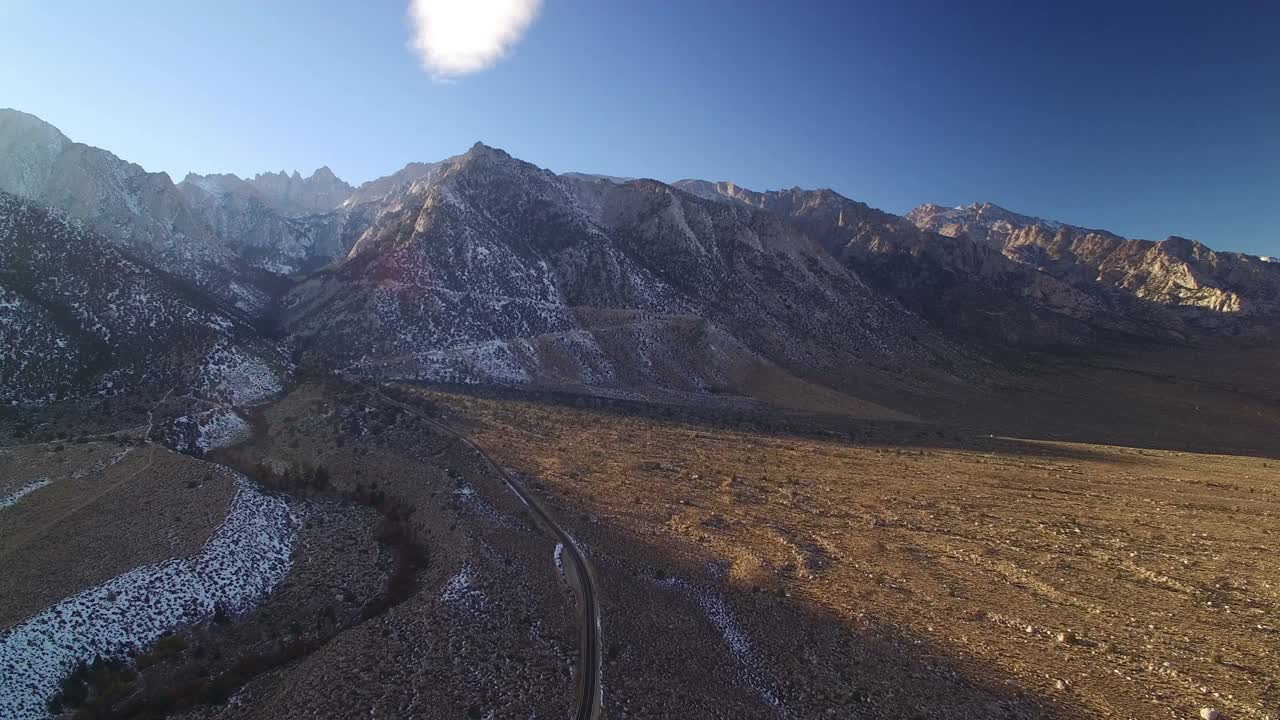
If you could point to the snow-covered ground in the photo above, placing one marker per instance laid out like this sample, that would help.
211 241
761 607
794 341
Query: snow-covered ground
220 428
201 432
720 615
460 590
243 561
236 377
12 498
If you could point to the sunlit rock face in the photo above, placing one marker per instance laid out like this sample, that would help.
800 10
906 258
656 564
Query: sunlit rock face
1176 272
495 270
483 268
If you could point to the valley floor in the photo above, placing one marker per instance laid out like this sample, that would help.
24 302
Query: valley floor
750 563
906 571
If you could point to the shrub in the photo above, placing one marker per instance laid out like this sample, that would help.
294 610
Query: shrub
320 478
165 648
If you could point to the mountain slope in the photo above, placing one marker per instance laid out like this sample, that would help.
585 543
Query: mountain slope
295 196
963 287
144 212
266 227
379 189
497 271
79 316
482 268
1175 272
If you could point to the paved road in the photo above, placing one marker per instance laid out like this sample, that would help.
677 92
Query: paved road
581 576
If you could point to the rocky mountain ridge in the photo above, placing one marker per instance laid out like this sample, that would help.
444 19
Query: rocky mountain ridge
1175 272
965 288
483 268
291 195
140 210
225 234
1028 282
498 271
81 316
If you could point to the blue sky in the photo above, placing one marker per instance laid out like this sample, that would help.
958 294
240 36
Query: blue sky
1148 121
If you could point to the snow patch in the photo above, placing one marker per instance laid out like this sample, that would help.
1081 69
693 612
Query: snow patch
460 590
720 615
277 268
243 561
231 375
216 428
12 498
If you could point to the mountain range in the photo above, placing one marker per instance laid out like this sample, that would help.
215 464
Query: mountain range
485 269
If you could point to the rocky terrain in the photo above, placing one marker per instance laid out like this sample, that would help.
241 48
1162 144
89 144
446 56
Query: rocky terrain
80 315
141 211
497 271
1174 272
986 274
482 268
226 235
479 440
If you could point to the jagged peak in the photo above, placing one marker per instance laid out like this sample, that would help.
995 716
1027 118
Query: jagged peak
828 193
192 177
1182 248
927 209
981 212
32 122
488 157
479 149
323 173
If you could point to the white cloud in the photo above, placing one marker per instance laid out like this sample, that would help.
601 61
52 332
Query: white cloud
458 37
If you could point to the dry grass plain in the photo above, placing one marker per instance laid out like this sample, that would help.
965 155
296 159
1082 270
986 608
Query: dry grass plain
1031 579
101 509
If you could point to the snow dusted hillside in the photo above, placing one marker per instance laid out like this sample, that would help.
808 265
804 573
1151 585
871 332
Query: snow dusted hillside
498 271
482 268
141 211
270 233
78 315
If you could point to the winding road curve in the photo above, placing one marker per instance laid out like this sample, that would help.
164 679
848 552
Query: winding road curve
580 573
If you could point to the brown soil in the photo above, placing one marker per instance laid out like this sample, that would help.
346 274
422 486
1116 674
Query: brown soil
106 510
925 573
502 641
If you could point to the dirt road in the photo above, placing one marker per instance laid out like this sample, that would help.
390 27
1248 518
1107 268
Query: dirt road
578 571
